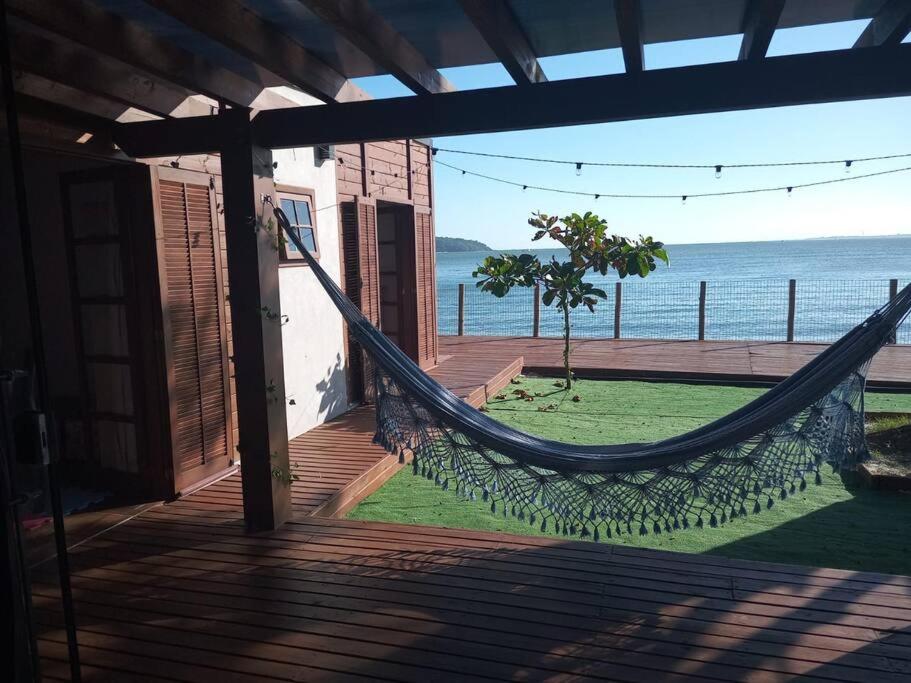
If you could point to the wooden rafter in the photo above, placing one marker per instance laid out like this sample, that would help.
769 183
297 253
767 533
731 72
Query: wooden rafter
364 28
629 26
89 25
67 96
88 71
760 19
62 114
237 27
834 76
889 27
499 28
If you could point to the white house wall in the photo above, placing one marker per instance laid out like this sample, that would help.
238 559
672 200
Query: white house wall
312 339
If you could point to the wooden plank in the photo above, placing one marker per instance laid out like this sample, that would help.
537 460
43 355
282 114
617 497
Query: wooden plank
838 75
500 29
889 25
461 323
86 70
792 309
702 291
628 14
130 43
238 27
367 30
760 19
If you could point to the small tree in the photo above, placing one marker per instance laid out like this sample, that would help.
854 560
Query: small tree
590 248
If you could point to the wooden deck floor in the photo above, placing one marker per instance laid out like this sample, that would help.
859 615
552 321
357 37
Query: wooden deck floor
648 358
182 593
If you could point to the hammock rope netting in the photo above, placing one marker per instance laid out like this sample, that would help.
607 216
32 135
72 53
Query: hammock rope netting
738 464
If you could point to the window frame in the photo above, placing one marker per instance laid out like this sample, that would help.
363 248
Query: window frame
294 193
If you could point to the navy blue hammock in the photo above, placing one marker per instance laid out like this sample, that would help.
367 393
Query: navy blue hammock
741 462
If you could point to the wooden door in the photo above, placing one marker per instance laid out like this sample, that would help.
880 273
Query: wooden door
101 226
426 300
361 285
193 323
397 280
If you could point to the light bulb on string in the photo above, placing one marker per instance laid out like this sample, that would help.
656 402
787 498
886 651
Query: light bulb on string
789 192
717 172
848 166
578 168
524 187
683 200
597 197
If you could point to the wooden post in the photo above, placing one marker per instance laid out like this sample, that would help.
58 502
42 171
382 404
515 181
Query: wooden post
792 307
259 372
461 309
702 288
618 302
536 312
893 292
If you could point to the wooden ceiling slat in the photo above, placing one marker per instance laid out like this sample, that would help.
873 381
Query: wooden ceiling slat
128 42
501 31
59 93
760 19
889 27
237 27
629 26
368 31
93 73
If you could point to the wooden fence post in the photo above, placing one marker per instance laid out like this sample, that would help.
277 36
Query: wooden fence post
618 303
893 292
792 306
536 313
702 288
461 309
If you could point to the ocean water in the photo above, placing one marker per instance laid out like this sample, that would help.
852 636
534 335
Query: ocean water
839 282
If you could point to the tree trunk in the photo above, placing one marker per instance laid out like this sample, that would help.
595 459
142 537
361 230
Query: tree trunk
569 373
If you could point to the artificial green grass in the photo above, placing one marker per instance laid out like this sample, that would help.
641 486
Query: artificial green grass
836 524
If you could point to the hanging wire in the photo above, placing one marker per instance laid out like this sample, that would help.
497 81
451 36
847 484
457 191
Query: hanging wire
682 196
716 167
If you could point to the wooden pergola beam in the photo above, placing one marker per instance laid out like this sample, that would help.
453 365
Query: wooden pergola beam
87 71
835 76
760 19
253 278
889 26
368 31
499 28
128 42
629 26
239 28
67 96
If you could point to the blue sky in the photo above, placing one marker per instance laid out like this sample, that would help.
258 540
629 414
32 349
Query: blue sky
497 214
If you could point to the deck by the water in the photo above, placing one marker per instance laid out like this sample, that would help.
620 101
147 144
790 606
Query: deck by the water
723 361
183 593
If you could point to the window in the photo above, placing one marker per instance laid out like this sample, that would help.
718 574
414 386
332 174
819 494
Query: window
298 207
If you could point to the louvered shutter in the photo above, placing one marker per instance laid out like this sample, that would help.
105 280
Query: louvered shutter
425 268
196 344
361 283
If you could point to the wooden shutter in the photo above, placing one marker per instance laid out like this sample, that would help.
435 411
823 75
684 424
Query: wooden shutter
194 328
361 283
425 256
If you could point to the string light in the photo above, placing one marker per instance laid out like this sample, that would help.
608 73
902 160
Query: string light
683 200
790 189
684 197
628 164
717 172
848 166
578 168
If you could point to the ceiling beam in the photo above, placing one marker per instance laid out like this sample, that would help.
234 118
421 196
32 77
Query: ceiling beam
369 32
266 44
86 70
127 41
64 95
760 19
889 26
63 115
835 76
499 28
629 26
